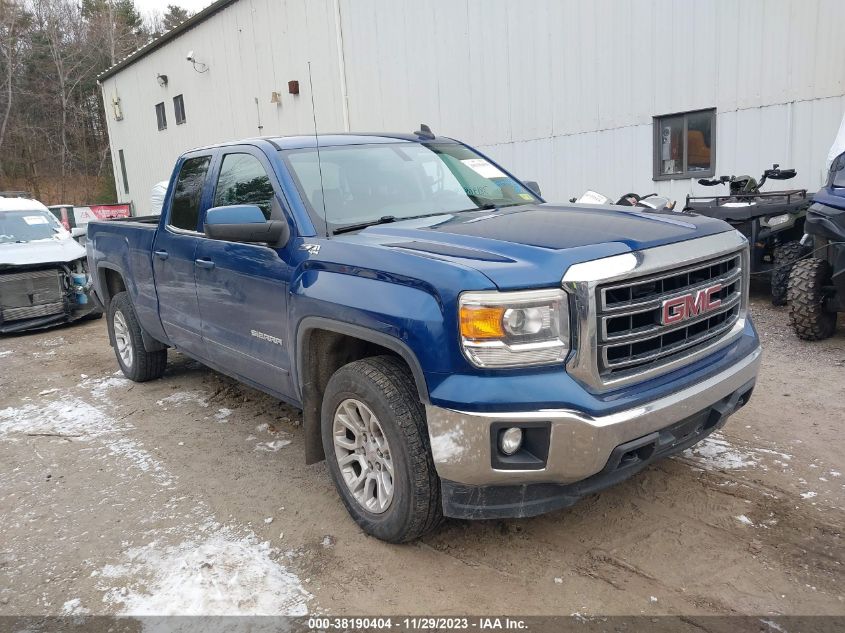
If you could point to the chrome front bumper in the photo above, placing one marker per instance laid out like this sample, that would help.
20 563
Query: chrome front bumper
580 445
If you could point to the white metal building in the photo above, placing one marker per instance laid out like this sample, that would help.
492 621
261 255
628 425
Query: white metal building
565 92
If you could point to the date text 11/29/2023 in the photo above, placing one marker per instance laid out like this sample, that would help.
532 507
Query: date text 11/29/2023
417 623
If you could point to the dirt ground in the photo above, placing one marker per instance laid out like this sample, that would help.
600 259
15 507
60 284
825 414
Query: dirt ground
190 495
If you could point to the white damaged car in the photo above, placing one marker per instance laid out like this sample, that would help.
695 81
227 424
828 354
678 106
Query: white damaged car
43 271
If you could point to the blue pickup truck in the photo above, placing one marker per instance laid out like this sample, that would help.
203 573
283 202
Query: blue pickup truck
458 346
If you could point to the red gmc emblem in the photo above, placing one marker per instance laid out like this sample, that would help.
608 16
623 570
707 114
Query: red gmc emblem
688 306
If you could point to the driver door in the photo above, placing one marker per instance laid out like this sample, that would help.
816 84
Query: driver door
242 289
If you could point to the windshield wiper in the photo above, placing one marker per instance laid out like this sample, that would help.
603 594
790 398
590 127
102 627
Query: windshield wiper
385 219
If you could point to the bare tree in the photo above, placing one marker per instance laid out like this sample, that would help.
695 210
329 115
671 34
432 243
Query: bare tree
11 19
52 119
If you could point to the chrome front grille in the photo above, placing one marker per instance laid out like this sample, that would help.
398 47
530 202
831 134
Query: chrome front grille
31 294
631 333
621 335
45 309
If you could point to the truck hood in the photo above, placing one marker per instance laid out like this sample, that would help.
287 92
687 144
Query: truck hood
41 252
533 245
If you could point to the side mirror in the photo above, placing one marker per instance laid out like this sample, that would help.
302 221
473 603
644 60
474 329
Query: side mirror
244 223
533 186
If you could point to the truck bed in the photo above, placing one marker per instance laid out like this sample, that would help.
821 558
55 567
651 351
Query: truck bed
144 220
125 245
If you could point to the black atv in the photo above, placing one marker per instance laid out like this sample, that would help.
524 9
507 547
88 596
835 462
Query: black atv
772 221
817 283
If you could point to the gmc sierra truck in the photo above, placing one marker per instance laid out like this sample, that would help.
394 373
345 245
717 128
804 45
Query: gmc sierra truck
457 345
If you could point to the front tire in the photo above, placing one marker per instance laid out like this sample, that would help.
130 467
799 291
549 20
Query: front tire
376 443
135 361
784 259
807 313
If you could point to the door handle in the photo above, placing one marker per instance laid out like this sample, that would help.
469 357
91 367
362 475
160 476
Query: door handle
204 263
162 254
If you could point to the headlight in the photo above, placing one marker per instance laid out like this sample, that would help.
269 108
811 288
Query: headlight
514 329
777 220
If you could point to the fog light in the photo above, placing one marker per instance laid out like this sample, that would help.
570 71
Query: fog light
511 440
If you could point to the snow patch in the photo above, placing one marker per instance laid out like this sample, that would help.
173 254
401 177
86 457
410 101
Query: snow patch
72 417
222 414
773 625
217 575
5 353
99 387
74 607
745 520
271 447
785 456
717 453
183 397
808 495
52 342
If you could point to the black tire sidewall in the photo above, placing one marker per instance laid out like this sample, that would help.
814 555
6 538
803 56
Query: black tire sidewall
393 523
121 303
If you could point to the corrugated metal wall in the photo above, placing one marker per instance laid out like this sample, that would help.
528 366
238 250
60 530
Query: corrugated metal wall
561 91
252 48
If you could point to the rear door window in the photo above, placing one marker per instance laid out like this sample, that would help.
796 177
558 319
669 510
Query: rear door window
187 195
243 180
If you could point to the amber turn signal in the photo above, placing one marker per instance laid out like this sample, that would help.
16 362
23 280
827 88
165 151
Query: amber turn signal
482 322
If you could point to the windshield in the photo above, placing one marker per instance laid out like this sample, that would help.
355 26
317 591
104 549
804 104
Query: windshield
365 183
28 226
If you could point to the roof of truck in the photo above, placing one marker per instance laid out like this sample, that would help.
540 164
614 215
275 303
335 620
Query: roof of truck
304 141
21 204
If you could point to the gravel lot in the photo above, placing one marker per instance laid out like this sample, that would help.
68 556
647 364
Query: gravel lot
190 495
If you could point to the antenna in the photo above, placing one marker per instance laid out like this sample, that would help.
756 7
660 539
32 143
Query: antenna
317 143
425 132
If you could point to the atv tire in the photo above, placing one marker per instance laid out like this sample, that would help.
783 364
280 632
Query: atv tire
785 257
807 313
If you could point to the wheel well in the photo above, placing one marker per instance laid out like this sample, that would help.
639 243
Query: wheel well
112 284
324 352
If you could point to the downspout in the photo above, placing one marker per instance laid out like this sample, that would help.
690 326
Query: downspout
341 61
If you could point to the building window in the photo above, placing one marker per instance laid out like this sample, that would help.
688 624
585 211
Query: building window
243 180
161 116
685 145
123 171
187 195
179 109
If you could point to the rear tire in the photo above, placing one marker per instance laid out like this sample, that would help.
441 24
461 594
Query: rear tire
135 361
807 313
359 450
785 257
